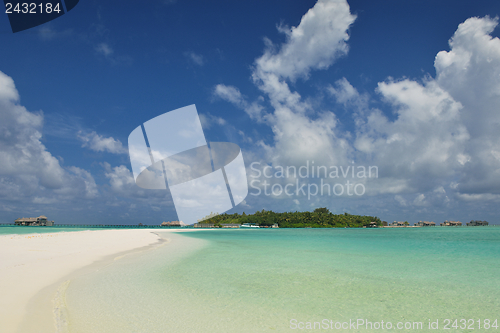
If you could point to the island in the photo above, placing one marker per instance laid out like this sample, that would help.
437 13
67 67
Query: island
319 218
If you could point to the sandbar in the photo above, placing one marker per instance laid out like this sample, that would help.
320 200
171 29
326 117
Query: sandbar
30 263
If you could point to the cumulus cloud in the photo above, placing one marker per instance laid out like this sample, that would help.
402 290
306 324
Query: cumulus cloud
121 179
122 185
29 173
425 141
315 43
343 91
80 181
446 129
8 93
21 151
442 140
230 94
99 143
33 181
233 95
470 72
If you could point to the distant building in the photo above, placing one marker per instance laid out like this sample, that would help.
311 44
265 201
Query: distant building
384 223
34 221
475 223
372 225
451 224
204 225
230 225
173 224
425 224
398 224
275 225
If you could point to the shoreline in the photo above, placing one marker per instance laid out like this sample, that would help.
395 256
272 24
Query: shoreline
168 283
86 286
33 266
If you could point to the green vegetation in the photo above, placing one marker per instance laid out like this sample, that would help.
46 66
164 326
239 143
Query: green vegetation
320 218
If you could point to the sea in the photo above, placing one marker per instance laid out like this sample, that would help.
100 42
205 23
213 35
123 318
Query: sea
429 279
25 230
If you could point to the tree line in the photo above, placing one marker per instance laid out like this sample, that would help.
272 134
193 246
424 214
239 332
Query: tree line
319 218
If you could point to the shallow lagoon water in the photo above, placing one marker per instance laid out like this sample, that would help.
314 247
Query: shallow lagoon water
24 230
269 279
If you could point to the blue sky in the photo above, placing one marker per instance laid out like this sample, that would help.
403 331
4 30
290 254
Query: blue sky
356 83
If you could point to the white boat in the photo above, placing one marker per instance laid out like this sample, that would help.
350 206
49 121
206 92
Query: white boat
247 225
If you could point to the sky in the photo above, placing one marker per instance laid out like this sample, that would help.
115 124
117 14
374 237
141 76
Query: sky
407 89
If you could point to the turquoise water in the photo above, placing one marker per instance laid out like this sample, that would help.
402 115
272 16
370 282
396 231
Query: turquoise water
23 230
272 279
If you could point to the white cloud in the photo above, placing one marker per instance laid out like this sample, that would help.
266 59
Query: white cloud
440 190
400 200
21 151
233 95
444 130
470 72
122 185
46 32
420 200
425 141
33 181
196 59
8 91
300 132
82 178
104 49
28 172
315 43
99 143
120 179
298 138
344 91
479 197
109 54
230 94
207 120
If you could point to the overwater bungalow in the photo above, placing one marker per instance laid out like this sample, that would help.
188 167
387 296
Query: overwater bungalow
475 223
204 225
173 224
399 224
425 224
34 221
451 224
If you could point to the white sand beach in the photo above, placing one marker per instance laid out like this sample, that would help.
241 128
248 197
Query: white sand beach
30 263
